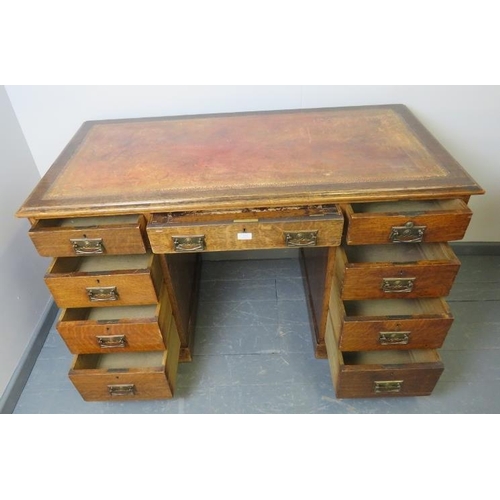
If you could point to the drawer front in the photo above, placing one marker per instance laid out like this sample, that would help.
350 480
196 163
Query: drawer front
356 377
73 288
89 236
116 329
397 280
127 376
121 385
406 222
385 324
381 381
244 234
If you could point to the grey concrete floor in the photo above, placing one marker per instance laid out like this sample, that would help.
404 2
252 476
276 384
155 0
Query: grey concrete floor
253 352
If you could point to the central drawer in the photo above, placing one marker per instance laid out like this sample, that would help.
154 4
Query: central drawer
366 374
249 230
103 281
396 271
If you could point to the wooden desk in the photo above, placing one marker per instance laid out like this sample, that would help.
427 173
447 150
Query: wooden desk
366 193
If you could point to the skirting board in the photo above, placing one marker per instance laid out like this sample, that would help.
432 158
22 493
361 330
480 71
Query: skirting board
476 248
21 374
18 381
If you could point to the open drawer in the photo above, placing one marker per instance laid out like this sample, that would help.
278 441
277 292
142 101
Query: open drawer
102 281
245 230
123 376
396 271
385 324
117 329
381 373
406 221
113 235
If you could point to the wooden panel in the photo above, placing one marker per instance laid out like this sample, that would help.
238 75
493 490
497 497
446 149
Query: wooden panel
69 277
318 270
116 329
373 223
148 375
250 234
357 375
365 325
253 159
119 235
432 267
182 274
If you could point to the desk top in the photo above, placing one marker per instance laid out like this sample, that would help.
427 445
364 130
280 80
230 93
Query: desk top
261 159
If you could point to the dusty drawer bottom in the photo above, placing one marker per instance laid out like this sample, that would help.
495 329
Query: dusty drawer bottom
381 373
125 376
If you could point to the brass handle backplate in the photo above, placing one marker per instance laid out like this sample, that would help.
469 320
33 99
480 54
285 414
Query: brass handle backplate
121 389
398 285
189 243
85 246
409 233
111 341
102 294
394 338
301 238
387 386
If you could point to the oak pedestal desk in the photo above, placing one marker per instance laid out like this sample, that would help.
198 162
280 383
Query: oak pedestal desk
366 194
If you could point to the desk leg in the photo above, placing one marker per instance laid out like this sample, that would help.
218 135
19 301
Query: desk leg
182 275
318 267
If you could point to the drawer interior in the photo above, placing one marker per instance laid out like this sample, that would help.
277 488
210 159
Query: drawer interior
117 361
394 307
101 263
109 313
88 222
398 253
408 207
227 216
401 357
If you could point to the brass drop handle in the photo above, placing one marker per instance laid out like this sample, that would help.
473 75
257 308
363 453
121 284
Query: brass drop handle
387 386
121 390
102 294
398 285
87 246
394 338
301 238
111 341
409 233
189 243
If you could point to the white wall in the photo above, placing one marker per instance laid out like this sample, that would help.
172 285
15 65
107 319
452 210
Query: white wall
464 119
23 295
